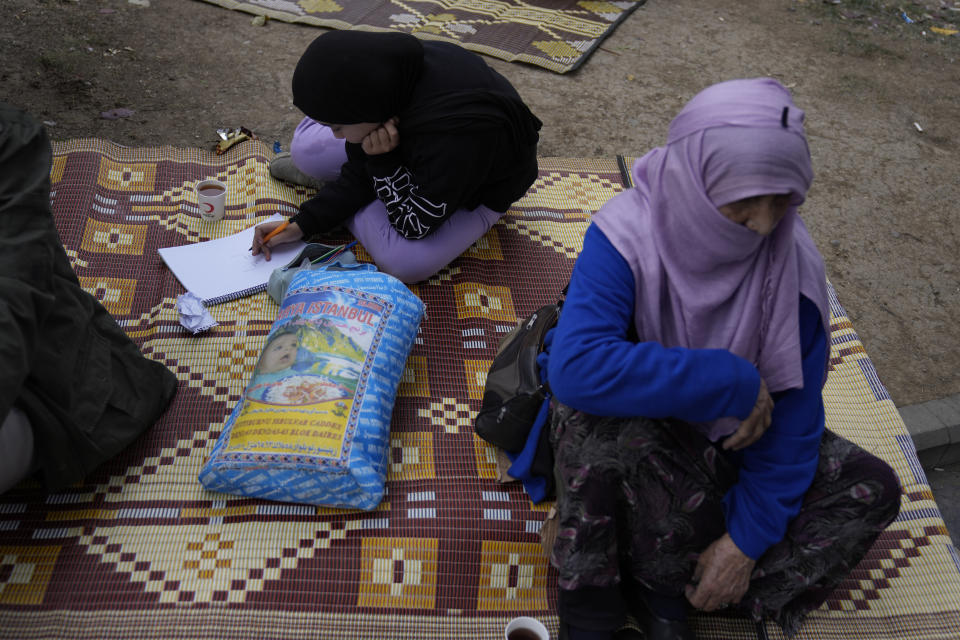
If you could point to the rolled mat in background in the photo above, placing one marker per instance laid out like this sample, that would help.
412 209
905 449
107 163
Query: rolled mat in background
558 35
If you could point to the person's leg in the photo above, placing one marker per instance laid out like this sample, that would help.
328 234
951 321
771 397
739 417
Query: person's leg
853 498
674 511
679 479
16 449
636 503
586 551
315 150
315 156
415 260
590 613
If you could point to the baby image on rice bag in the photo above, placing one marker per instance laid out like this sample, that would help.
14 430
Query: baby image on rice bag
292 372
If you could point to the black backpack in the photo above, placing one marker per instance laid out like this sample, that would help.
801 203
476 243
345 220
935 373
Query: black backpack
513 393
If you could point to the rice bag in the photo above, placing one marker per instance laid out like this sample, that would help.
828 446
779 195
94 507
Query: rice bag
313 425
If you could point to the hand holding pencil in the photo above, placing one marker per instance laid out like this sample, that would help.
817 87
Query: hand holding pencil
270 234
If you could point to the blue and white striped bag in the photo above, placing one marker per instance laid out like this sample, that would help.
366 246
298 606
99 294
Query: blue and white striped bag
313 426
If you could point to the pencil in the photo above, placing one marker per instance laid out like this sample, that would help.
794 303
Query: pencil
283 225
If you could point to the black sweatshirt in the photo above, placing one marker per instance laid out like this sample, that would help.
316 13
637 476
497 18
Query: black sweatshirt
432 172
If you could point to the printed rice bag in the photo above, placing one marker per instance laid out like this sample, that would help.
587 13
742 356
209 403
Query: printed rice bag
313 426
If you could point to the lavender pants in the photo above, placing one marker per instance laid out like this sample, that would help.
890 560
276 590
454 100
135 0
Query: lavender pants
317 153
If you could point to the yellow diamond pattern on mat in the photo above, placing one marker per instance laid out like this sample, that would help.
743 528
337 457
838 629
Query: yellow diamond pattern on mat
172 469
238 361
207 555
242 182
446 274
398 572
127 176
414 382
208 563
320 6
115 294
113 237
487 247
513 577
565 191
411 456
492 302
564 238
25 573
449 413
486 458
476 371
146 323
199 363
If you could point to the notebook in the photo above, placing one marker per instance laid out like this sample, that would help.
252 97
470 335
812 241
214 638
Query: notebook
224 269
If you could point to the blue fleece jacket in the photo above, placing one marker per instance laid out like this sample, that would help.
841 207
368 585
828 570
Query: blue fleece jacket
594 368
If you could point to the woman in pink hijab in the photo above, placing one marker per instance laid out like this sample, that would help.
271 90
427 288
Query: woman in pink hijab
693 467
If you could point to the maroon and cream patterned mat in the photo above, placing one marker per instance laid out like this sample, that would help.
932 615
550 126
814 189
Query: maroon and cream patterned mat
558 35
141 550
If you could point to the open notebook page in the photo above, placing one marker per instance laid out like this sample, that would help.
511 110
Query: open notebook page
224 269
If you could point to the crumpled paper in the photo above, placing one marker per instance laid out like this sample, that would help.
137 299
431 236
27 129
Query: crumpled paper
193 315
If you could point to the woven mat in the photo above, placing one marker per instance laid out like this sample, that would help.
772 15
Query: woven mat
141 550
558 35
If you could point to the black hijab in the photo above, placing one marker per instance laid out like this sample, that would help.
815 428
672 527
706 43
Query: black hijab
346 77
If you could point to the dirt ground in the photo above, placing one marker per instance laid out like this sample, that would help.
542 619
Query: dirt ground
880 94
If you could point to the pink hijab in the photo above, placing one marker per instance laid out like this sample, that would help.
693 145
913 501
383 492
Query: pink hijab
703 281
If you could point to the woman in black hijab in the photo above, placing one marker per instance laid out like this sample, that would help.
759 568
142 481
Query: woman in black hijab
438 146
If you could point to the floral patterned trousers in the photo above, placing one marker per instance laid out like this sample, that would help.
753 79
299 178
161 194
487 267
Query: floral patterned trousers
645 496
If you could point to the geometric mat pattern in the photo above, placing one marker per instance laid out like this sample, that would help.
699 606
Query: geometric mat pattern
557 35
142 550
